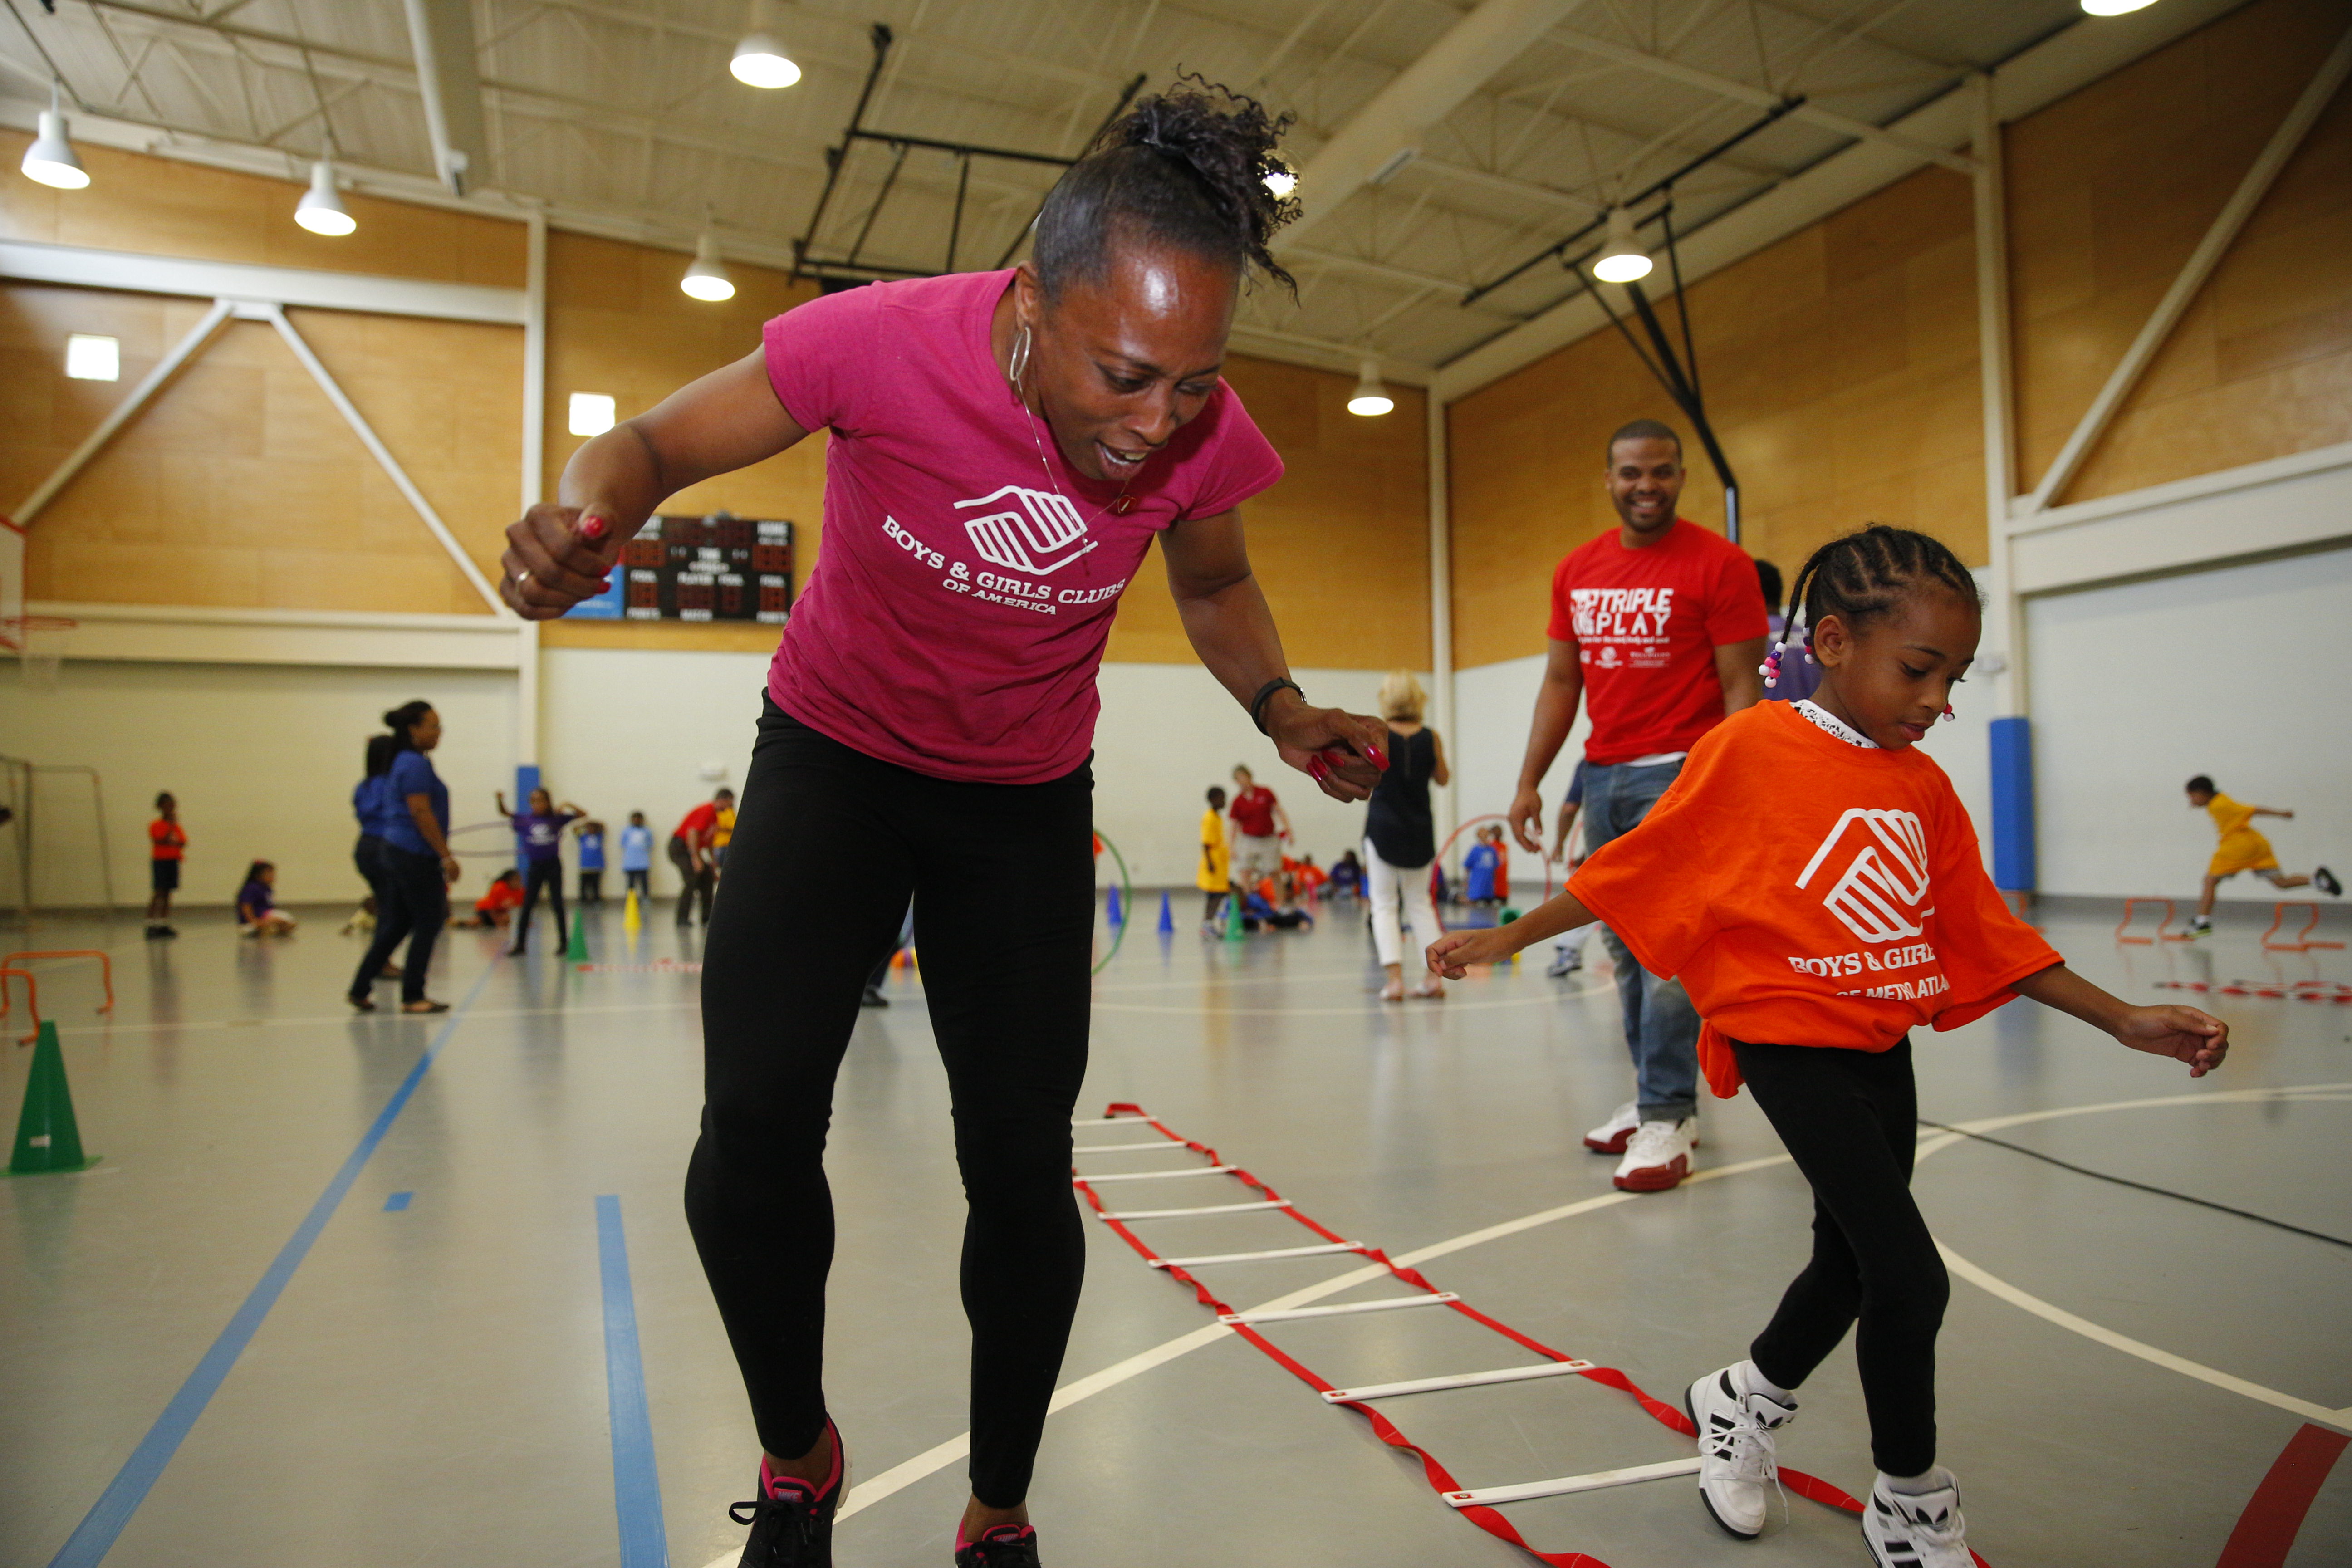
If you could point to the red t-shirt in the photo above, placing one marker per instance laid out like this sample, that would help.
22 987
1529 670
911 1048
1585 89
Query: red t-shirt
167 841
956 614
1844 913
699 821
1252 812
1646 624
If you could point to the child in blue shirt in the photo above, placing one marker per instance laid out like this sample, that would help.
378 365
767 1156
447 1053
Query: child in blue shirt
638 855
591 836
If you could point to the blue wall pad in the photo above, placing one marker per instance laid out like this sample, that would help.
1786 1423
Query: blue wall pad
2013 861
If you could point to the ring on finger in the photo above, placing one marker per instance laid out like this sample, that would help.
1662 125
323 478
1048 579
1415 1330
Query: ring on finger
522 576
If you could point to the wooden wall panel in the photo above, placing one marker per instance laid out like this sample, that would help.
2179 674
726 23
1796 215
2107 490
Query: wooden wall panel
167 207
1841 363
617 323
1340 545
239 485
2112 187
1840 367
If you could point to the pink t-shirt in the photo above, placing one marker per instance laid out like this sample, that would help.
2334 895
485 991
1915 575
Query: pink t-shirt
957 611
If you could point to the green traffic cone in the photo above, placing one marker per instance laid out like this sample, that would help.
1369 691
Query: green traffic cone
1234 930
47 1136
577 953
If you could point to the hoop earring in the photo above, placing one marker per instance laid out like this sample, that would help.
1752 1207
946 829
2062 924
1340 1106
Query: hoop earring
1022 342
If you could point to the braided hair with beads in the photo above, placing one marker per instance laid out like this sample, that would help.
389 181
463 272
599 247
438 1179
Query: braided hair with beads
1864 574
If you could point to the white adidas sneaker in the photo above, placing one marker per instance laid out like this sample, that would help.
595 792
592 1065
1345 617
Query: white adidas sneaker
1924 1531
1657 1156
1608 1138
1738 1468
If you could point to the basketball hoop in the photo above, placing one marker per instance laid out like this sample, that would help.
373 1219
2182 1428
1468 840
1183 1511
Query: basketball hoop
40 643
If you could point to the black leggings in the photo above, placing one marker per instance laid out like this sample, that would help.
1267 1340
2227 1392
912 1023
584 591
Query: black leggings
1850 1121
412 898
829 845
540 876
368 855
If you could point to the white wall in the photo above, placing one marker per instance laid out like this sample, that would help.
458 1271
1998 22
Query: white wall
262 758
2240 672
624 731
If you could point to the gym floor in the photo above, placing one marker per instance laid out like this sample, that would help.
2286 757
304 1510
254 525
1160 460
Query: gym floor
353 1290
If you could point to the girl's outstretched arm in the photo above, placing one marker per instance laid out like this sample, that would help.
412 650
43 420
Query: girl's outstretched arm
2184 1033
1449 953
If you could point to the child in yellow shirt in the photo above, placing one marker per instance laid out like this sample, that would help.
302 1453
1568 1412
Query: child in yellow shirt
2242 850
1214 877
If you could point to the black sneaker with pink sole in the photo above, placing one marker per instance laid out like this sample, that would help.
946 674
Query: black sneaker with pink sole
1000 1546
791 1520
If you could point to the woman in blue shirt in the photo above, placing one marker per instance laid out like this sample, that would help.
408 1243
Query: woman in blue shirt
371 803
417 865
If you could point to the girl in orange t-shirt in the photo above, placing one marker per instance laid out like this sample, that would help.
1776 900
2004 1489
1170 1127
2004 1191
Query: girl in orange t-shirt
1830 926
167 844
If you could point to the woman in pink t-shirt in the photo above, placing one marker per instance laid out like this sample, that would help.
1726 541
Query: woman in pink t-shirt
1004 447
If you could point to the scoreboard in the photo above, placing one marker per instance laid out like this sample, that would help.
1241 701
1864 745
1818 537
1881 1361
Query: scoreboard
716 568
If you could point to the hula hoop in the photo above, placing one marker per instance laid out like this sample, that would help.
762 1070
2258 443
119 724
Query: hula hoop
1445 848
1125 904
501 824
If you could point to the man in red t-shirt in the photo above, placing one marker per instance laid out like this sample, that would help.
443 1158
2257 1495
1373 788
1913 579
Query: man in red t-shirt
1658 625
690 852
1260 825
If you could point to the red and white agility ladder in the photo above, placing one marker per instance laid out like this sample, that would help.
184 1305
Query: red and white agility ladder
1475 1504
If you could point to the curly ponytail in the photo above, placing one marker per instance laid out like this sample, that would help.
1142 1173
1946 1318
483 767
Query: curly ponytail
1864 574
1186 167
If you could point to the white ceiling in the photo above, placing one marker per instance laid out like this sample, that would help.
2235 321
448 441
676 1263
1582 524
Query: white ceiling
623 117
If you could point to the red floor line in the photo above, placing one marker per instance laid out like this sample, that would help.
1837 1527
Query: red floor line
1440 1480
2273 1515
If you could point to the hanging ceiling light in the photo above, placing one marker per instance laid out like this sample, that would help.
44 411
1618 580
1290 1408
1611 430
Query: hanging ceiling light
2115 7
321 208
50 158
1622 259
1370 397
759 59
707 278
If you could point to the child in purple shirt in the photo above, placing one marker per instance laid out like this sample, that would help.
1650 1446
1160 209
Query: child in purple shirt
539 835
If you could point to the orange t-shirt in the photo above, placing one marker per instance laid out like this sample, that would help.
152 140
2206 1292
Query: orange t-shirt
501 895
167 842
1844 914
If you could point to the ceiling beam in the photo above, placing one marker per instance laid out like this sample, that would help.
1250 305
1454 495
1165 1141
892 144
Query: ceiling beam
1761 98
2039 75
1395 119
442 34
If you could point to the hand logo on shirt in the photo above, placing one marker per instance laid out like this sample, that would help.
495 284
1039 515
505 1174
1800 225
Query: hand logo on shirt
1886 878
1020 541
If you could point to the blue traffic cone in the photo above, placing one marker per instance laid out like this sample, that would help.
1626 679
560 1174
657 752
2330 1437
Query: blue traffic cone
1167 916
1117 915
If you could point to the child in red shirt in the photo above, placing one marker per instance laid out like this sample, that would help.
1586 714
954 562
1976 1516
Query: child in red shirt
167 846
1832 923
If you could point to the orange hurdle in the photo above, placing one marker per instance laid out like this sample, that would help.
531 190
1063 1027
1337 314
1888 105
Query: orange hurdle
105 971
2303 941
2161 933
32 999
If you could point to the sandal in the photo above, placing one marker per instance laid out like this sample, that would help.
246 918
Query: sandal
427 1005
1433 992
1393 992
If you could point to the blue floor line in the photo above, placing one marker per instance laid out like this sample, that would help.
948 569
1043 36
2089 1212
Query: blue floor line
636 1484
100 1528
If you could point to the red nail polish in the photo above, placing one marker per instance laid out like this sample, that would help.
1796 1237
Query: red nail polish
592 528
1379 758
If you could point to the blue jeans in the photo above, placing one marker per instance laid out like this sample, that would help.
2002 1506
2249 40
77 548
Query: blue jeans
1661 1024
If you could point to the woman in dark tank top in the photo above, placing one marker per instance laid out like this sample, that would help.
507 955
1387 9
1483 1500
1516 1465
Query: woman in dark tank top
1400 838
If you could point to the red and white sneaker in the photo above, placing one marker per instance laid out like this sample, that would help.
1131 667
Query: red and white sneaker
1657 1156
1608 1138
999 1546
